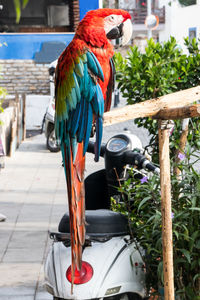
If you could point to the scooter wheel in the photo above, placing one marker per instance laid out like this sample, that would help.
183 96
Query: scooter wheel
51 142
127 296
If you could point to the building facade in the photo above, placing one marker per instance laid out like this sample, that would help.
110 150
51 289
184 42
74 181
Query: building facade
178 18
29 47
181 21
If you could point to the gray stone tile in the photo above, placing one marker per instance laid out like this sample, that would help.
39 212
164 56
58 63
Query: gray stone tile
24 255
20 291
17 297
4 240
19 276
33 225
43 296
28 240
35 212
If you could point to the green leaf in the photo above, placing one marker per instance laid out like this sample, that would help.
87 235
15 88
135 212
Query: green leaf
143 202
176 234
186 254
198 244
194 208
160 271
196 277
25 2
18 10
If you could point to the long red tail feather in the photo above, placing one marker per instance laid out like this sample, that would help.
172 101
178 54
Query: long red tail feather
76 200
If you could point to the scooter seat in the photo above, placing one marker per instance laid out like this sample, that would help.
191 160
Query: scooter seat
101 222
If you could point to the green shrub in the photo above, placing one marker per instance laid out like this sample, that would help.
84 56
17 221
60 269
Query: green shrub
142 207
161 70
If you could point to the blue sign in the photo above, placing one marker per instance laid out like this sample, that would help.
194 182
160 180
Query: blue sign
26 45
86 5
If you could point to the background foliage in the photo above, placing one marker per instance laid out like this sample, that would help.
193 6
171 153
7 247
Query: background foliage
19 5
187 2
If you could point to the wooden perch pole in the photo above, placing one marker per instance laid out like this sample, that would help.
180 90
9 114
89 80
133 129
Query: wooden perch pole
178 113
152 107
165 183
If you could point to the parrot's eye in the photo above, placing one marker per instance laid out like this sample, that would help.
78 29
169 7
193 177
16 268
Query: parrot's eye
110 18
116 19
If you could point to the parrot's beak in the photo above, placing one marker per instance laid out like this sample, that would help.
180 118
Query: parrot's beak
124 31
127 32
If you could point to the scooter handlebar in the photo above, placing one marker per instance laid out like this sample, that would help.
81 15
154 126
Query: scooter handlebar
91 147
130 157
138 159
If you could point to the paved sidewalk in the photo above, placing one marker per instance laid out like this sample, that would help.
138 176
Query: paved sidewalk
33 197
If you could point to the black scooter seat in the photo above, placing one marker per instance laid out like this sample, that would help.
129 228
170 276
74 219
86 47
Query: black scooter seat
101 222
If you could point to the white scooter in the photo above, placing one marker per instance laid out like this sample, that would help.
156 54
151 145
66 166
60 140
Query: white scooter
112 266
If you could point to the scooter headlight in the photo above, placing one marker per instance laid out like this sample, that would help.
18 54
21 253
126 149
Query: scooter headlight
82 276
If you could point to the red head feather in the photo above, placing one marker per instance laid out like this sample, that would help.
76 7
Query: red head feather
91 28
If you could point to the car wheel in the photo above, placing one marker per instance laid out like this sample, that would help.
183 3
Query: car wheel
51 142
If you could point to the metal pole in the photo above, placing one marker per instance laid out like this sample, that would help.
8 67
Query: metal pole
149 32
100 3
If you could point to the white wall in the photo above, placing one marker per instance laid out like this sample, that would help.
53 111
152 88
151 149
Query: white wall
178 21
36 107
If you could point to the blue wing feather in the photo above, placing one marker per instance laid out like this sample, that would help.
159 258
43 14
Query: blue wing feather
83 100
92 64
98 101
100 71
99 132
75 119
89 127
80 133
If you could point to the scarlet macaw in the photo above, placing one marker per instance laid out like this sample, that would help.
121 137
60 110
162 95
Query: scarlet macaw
83 88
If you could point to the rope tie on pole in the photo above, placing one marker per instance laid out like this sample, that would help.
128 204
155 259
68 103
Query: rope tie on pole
166 124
